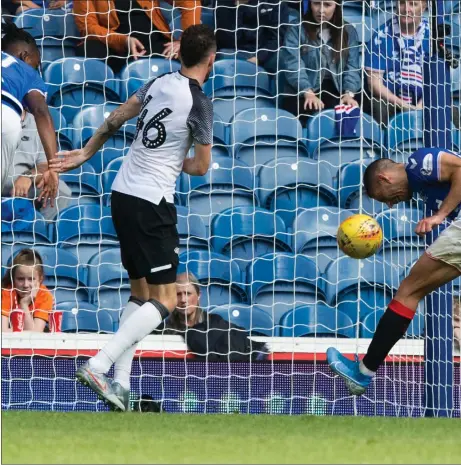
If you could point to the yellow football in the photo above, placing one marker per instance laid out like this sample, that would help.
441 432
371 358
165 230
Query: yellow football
359 236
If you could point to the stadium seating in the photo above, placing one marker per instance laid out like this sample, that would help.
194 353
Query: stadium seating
289 185
251 318
108 282
84 185
108 177
63 131
228 183
282 278
87 121
316 321
85 318
221 278
85 230
244 233
76 83
226 109
405 134
101 159
314 234
192 231
376 279
140 71
55 48
264 134
370 322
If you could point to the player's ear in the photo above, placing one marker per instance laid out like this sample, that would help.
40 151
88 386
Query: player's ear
383 179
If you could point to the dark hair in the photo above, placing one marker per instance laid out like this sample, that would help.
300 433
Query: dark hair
197 42
372 170
14 35
339 35
26 257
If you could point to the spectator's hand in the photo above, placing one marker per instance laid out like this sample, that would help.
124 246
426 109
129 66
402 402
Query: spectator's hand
171 50
135 48
25 300
312 102
55 4
427 224
67 160
22 186
48 186
420 105
348 100
253 60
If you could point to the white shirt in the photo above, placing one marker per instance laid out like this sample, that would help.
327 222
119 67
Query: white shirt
175 113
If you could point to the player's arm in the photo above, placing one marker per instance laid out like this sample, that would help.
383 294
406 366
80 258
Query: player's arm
450 171
199 163
75 158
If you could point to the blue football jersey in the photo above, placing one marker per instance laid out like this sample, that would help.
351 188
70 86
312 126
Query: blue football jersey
423 171
18 79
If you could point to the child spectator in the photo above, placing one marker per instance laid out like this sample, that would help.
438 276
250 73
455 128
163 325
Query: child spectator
119 29
321 61
394 61
208 336
253 28
29 163
457 321
26 302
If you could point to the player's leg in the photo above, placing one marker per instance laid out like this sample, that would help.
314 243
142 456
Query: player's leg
440 265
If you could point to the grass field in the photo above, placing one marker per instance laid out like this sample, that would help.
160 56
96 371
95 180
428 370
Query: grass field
38 437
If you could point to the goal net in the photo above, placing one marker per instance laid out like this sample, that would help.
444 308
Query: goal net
258 232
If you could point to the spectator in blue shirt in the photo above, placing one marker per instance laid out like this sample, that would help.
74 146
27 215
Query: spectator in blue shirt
24 5
253 28
321 61
394 61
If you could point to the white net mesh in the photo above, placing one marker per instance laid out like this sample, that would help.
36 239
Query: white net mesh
258 231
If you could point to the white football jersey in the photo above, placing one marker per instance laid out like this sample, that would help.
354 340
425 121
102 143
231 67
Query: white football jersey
175 112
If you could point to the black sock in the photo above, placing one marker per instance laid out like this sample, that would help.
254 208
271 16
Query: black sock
391 328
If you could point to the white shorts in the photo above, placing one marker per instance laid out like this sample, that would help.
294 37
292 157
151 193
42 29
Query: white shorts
11 136
447 247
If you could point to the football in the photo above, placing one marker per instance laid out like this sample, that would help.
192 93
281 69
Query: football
359 236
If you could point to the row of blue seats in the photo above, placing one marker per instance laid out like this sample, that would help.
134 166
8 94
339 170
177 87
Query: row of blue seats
306 321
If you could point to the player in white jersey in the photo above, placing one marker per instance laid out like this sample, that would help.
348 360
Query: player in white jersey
173 113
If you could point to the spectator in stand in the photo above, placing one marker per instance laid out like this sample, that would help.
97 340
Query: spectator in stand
321 61
26 302
394 61
24 5
457 321
29 163
207 335
123 30
253 28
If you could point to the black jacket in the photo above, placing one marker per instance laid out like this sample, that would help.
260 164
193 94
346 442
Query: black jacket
255 25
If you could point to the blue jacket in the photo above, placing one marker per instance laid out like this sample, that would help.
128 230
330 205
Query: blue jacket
302 60
254 27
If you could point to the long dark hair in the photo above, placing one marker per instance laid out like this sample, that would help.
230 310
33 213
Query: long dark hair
339 35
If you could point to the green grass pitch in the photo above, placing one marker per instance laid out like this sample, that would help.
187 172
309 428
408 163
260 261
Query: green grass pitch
39 437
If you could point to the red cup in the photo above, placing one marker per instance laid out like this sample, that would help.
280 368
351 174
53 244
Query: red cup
55 321
17 320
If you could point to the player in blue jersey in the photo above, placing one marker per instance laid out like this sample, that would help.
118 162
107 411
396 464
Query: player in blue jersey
24 89
434 174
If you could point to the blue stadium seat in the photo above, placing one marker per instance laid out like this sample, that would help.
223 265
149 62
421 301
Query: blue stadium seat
208 17
64 135
108 177
21 223
405 134
85 230
192 231
48 23
87 121
55 48
289 185
228 183
456 84
221 280
84 184
282 278
316 321
314 234
226 109
219 134
237 77
101 159
108 282
138 72
86 318
324 142
251 318
244 233
376 279
370 322
360 308
263 134
76 83
349 187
